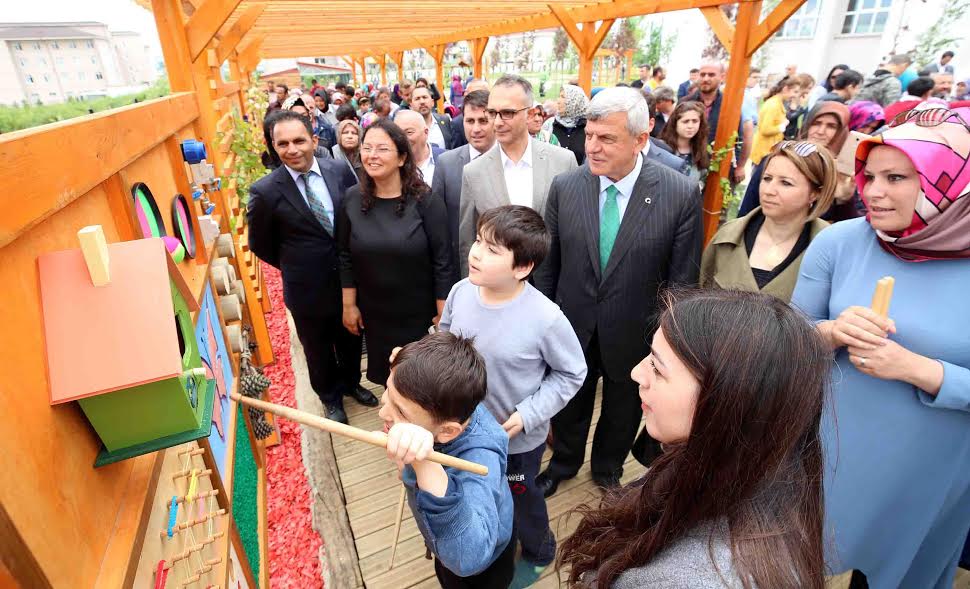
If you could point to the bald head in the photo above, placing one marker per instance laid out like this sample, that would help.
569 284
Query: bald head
476 84
413 125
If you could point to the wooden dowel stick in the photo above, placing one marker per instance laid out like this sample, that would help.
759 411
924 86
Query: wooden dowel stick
354 433
883 295
397 524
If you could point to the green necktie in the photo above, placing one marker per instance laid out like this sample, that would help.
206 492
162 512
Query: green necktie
609 225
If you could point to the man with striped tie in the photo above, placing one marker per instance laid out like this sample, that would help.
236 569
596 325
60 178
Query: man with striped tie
623 227
291 216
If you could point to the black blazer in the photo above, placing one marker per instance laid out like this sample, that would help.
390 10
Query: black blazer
285 234
444 123
658 246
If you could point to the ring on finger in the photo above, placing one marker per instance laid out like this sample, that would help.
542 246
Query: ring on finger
862 361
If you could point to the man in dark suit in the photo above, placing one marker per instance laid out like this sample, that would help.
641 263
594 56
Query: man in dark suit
457 125
623 228
291 216
480 131
439 126
685 87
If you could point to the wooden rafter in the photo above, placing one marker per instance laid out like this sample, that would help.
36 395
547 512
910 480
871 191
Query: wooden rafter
719 23
206 22
770 25
238 30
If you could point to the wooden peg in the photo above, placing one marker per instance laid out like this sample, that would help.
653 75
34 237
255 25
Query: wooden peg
94 248
185 473
202 495
883 295
397 525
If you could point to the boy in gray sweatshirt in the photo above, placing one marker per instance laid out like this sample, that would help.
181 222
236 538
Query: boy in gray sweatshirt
534 361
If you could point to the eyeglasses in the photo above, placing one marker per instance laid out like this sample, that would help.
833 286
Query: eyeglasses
506 114
369 149
801 148
929 117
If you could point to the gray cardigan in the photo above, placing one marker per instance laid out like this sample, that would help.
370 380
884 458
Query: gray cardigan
688 564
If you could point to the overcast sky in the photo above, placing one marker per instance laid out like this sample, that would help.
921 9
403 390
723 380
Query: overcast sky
119 15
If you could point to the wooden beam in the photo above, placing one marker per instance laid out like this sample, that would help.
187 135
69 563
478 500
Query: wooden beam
35 186
569 25
171 35
206 22
398 58
719 23
238 30
596 37
249 55
478 52
737 75
769 26
439 72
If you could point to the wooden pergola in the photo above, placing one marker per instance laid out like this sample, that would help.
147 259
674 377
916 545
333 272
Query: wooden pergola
198 36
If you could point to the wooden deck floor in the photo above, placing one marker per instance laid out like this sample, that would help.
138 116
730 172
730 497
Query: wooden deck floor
372 490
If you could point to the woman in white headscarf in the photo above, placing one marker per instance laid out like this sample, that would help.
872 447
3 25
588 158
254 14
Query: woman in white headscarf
568 128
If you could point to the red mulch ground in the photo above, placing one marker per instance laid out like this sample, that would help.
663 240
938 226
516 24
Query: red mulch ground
294 545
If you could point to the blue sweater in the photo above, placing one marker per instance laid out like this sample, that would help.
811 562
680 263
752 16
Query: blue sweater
533 358
471 525
897 478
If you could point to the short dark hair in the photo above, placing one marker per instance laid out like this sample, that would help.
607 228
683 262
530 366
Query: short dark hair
477 98
280 116
948 54
846 79
651 103
518 229
443 374
920 86
515 80
345 111
664 93
313 80
350 91
339 86
416 88
695 70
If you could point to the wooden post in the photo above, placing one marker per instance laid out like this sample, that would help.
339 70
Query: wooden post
439 73
737 75
175 49
398 58
586 39
382 61
478 51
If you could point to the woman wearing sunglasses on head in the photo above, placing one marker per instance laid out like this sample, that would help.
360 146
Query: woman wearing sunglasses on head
897 440
762 250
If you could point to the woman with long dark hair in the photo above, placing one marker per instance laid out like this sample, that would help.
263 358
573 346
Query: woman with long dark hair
395 259
897 437
686 133
734 389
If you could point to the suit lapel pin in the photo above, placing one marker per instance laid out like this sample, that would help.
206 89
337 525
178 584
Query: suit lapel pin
647 200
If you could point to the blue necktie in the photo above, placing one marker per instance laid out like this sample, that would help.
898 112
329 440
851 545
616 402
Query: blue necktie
316 204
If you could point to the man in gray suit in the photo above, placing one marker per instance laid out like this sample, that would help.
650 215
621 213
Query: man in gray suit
517 171
479 132
623 228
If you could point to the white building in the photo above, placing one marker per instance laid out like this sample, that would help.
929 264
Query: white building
50 62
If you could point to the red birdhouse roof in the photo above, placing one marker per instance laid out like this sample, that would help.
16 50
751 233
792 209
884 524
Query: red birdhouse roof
101 339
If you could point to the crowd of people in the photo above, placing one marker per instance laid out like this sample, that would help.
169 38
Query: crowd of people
791 432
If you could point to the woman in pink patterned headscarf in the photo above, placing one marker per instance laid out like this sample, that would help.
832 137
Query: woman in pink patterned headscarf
897 481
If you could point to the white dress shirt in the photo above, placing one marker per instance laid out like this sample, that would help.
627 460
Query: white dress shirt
435 135
518 176
318 186
427 167
472 153
624 186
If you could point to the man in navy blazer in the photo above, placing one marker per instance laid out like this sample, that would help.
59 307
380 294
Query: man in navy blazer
291 216
479 128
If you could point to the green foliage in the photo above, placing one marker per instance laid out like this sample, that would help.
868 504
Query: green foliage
625 35
560 44
718 157
14 118
655 47
941 35
247 142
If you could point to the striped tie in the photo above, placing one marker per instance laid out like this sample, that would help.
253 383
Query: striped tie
316 204
609 225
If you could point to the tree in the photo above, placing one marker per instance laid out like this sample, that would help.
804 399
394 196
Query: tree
625 38
495 55
655 49
560 44
940 36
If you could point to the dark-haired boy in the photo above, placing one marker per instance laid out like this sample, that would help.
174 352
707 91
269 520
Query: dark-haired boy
433 401
534 360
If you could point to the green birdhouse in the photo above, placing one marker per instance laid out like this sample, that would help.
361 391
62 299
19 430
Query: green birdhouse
120 341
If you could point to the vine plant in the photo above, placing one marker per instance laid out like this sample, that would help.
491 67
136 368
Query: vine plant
247 142
718 156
